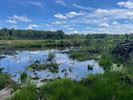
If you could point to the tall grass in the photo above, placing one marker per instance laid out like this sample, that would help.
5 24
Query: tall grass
64 89
105 61
109 86
4 79
27 92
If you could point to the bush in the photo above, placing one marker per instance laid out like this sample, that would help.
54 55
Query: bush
23 76
105 61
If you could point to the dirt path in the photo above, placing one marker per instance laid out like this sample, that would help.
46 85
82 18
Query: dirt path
5 93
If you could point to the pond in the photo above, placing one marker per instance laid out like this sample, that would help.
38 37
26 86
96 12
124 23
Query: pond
74 69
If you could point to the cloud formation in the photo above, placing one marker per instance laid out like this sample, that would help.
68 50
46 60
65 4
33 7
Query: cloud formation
14 19
127 4
69 15
31 26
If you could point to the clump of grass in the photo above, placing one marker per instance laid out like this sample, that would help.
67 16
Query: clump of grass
64 89
79 56
23 76
51 66
51 56
4 79
84 53
90 67
105 61
27 92
37 66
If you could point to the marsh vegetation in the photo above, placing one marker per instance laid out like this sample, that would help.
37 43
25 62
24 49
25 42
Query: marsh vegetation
84 67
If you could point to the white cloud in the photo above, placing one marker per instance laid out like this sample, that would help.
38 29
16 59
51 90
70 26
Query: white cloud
13 26
60 16
16 18
38 4
104 25
74 14
70 28
101 11
82 7
127 4
31 26
47 25
75 32
33 3
114 13
61 2
115 23
69 15
58 22
11 21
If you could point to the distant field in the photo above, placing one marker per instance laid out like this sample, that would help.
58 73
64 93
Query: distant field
14 44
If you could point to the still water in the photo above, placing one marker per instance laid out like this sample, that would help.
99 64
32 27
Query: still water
19 62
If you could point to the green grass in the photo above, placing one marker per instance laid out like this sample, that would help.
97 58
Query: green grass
64 89
26 44
105 61
4 79
51 66
27 92
51 56
109 86
23 76
84 53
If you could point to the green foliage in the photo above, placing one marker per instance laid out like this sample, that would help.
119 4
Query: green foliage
64 89
30 34
4 79
23 76
85 53
51 66
96 87
105 61
90 67
27 92
51 56
37 67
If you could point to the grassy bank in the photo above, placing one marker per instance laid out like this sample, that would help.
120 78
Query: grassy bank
16 44
108 86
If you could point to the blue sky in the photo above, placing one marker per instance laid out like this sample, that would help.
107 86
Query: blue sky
71 16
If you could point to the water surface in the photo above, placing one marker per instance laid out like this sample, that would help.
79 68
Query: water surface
19 62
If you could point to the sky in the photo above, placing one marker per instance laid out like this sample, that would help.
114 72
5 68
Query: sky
71 16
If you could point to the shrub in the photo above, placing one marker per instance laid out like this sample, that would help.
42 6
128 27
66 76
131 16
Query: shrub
105 61
23 76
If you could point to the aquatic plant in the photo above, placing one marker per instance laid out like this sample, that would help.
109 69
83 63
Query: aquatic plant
23 76
51 66
37 66
51 56
90 67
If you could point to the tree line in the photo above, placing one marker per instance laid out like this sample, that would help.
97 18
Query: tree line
9 34
30 34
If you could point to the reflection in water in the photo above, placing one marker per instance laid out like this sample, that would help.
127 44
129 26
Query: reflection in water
15 64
